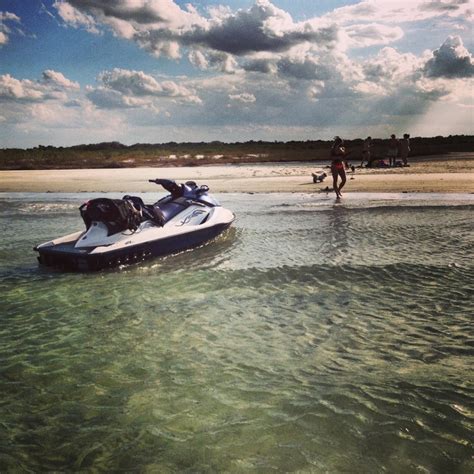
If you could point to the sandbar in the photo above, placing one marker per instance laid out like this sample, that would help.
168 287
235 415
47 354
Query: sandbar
453 173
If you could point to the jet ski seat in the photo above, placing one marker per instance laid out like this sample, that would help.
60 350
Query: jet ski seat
171 208
148 211
162 211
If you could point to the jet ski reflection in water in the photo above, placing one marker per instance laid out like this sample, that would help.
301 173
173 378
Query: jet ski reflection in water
124 231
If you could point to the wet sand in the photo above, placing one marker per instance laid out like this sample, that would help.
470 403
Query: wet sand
453 173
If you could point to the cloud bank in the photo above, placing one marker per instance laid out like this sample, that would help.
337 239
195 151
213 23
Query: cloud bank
253 72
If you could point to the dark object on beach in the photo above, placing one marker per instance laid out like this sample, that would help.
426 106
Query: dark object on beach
318 178
327 189
124 231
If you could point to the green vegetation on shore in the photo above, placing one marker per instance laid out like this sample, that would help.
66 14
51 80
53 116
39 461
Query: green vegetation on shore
116 155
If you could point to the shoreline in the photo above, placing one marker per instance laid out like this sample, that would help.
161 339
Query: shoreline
441 174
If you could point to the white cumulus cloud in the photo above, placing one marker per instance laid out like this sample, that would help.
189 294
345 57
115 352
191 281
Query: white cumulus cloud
399 11
127 88
5 29
245 97
57 79
17 89
451 60
75 17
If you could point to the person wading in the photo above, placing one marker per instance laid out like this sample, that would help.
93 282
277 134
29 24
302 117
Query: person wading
338 154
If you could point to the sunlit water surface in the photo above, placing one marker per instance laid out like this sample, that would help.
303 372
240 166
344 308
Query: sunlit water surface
310 337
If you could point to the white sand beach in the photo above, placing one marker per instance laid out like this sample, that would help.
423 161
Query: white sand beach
453 173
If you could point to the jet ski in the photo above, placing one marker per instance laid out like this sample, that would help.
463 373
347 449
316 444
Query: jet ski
125 231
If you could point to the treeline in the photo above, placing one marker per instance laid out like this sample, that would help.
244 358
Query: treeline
117 155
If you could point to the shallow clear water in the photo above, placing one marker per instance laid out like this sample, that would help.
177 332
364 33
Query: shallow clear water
310 337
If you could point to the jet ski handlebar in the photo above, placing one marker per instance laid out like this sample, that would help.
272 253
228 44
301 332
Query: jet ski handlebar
169 185
177 189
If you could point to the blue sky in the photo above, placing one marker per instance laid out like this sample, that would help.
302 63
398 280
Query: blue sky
86 71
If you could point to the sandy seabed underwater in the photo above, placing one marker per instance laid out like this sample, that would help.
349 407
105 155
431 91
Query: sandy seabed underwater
311 337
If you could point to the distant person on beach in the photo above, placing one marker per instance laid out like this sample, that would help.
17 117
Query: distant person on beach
366 151
392 153
405 148
338 156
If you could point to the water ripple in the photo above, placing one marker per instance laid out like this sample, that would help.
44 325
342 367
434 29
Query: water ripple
306 338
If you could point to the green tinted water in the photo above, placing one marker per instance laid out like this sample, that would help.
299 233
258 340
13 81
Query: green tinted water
310 337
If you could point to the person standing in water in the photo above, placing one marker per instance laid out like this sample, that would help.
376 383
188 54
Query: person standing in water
338 154
405 148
